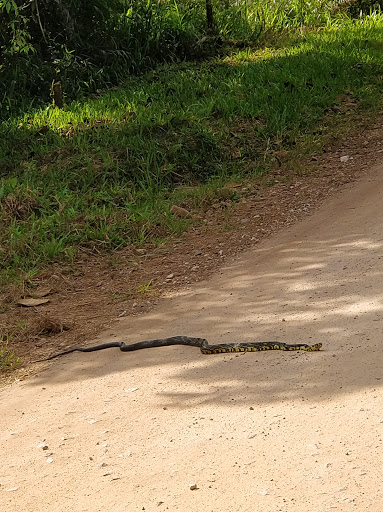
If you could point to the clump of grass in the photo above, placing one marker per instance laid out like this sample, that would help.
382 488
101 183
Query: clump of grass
8 361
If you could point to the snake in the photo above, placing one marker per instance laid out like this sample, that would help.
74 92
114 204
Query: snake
201 343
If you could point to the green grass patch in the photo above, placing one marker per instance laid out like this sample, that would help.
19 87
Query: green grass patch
104 173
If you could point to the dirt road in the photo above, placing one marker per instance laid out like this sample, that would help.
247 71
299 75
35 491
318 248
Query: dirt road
258 432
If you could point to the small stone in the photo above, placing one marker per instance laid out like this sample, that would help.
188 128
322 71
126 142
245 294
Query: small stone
43 446
170 276
130 390
103 465
193 487
125 454
49 460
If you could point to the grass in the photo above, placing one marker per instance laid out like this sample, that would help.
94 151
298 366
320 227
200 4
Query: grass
104 173
8 361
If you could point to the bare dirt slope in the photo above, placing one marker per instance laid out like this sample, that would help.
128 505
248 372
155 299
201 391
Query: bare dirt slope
267 432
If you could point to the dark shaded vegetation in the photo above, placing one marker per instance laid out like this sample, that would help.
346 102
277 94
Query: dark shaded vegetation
87 44
91 45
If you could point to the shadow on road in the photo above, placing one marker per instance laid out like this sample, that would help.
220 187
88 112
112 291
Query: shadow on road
297 292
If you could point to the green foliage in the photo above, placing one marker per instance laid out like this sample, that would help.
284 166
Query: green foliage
86 44
248 20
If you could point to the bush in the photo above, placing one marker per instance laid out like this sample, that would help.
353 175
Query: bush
86 44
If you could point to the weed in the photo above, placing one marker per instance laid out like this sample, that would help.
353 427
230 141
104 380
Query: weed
144 288
8 361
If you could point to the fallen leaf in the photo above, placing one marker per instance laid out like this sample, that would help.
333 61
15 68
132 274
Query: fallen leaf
41 293
31 302
180 212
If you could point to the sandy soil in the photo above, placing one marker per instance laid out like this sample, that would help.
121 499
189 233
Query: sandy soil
264 432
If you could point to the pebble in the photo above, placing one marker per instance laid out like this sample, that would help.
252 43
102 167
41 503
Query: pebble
193 487
125 454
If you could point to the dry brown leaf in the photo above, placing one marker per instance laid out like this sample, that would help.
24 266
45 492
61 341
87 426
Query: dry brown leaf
41 293
181 212
31 302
